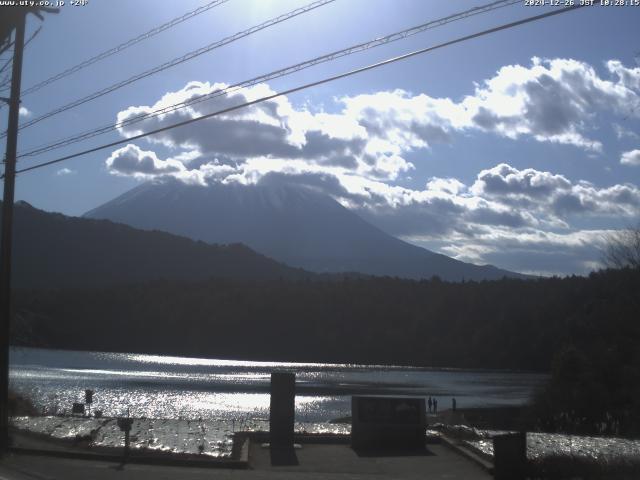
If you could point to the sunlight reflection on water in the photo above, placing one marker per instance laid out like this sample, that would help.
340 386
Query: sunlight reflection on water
154 386
184 404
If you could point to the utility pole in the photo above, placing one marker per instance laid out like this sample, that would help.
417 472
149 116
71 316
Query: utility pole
7 224
13 18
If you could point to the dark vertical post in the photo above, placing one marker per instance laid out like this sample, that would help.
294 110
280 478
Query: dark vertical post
127 445
124 423
7 230
282 409
88 399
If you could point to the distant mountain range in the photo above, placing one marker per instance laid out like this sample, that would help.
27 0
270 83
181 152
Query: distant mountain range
52 250
294 225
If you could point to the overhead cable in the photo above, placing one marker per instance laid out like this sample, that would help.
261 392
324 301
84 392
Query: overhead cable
176 61
306 86
270 76
123 46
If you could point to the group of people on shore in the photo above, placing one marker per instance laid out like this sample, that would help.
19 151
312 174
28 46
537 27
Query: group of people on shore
432 404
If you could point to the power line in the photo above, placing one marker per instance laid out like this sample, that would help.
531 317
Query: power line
6 46
123 46
179 60
307 85
271 76
26 43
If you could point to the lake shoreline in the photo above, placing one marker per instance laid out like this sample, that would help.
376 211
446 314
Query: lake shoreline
101 434
172 387
84 435
548 453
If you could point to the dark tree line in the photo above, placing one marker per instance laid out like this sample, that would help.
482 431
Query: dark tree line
516 324
584 330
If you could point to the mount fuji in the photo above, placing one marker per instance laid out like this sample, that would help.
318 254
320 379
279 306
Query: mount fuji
294 225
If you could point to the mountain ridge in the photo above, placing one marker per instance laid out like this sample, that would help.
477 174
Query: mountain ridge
297 226
55 250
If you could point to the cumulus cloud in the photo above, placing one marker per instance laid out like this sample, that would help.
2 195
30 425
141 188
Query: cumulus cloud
65 171
24 112
553 100
506 180
518 219
555 194
358 153
514 200
145 165
531 251
549 101
131 160
629 77
477 228
272 129
524 224
500 196
631 158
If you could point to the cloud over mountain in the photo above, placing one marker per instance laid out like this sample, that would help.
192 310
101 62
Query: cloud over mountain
145 165
555 194
359 152
131 160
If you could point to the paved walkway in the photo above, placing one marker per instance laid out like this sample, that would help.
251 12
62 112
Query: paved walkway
340 461
330 462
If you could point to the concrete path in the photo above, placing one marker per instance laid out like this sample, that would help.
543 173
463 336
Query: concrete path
340 461
330 462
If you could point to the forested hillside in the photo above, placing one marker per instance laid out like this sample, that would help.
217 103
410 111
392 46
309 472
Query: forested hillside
51 249
585 331
517 324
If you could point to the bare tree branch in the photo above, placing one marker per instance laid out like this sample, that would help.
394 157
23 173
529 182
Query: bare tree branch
623 249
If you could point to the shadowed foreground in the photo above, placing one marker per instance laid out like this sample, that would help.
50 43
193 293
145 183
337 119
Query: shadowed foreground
315 462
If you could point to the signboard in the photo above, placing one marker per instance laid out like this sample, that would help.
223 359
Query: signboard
388 423
77 408
125 424
389 410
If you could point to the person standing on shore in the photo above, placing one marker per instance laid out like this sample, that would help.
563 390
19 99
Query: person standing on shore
429 403
435 406
454 403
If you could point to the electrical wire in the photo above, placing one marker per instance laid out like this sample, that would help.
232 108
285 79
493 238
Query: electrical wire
176 61
271 76
123 46
307 85
10 61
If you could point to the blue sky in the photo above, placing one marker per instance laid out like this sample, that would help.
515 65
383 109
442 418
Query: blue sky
520 149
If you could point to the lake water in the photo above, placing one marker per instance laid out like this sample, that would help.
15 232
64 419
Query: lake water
187 405
164 387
